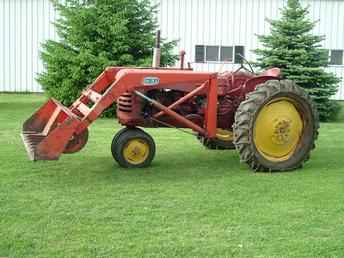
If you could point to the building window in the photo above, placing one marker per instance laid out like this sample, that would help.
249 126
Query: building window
239 53
336 57
226 54
212 53
219 53
199 56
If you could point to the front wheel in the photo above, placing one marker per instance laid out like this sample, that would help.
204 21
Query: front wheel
275 127
133 148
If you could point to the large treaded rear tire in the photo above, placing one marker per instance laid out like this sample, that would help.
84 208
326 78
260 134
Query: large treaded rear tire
248 111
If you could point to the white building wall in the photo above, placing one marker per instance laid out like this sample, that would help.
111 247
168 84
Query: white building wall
236 22
25 24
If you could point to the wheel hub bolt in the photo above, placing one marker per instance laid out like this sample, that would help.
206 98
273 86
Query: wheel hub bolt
281 133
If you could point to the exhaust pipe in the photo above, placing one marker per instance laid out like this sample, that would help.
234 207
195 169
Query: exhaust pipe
156 53
182 59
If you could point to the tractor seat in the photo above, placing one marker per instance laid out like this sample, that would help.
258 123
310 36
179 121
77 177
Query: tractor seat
275 72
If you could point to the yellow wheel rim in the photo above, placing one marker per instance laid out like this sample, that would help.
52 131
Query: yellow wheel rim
136 151
278 129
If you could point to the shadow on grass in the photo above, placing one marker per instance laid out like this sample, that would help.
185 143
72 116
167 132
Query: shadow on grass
201 166
94 165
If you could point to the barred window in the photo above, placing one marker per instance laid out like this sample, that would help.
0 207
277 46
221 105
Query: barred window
239 53
226 54
336 57
199 54
212 53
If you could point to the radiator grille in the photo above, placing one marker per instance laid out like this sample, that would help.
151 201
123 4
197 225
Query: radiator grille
124 103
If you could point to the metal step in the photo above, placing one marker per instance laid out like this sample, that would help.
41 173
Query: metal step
31 140
83 109
92 95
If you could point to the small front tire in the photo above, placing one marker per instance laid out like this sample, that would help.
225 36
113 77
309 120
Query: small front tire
115 138
133 148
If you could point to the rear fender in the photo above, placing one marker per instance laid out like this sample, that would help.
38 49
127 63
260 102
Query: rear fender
251 84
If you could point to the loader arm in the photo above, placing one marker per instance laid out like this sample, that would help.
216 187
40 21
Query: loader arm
47 133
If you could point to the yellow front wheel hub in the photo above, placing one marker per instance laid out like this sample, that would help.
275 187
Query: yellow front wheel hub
278 129
136 151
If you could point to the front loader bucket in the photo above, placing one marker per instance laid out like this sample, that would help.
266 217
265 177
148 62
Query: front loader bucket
47 132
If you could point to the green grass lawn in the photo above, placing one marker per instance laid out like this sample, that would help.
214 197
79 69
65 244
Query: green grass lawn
191 202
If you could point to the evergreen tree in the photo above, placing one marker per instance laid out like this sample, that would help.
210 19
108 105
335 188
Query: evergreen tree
95 34
293 48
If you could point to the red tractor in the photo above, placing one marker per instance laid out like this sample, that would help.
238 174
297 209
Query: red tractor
272 123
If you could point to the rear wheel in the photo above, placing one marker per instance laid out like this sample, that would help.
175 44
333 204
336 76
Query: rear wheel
133 148
276 127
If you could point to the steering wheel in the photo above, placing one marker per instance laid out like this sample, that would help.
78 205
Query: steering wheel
242 67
